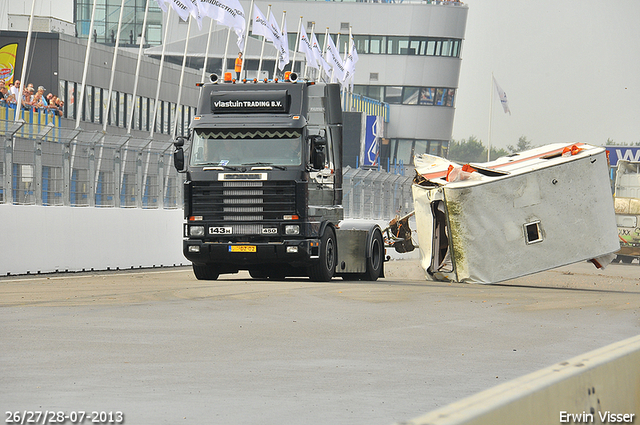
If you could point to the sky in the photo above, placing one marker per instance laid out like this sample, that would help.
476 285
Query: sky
570 69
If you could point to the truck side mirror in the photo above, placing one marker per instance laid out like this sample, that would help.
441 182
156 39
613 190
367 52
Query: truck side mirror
318 151
178 155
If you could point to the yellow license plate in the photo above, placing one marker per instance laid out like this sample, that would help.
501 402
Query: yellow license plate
242 248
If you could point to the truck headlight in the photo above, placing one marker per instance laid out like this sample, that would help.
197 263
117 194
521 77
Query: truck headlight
196 231
292 229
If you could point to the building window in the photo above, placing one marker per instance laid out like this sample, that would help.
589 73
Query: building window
423 96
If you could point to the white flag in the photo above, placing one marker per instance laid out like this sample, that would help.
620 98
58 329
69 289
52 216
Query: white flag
278 41
503 97
283 57
181 8
333 57
350 63
264 27
305 47
228 13
315 47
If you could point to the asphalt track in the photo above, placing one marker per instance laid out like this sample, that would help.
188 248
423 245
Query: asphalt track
164 348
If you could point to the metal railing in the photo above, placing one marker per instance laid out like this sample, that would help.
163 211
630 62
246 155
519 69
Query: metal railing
44 164
375 194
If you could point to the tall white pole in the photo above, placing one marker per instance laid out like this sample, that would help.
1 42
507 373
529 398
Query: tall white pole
23 73
490 119
184 63
105 115
324 51
135 83
306 65
206 54
86 66
246 38
164 46
264 39
275 68
226 52
295 50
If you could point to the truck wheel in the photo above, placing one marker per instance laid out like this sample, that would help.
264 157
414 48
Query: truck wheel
325 268
205 272
376 258
625 259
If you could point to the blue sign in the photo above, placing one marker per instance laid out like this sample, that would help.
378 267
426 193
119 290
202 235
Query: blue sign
371 140
629 153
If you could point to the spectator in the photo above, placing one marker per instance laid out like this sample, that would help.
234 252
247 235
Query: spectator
27 98
4 94
15 89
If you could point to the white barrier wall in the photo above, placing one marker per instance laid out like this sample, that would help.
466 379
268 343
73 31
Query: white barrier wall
42 239
599 387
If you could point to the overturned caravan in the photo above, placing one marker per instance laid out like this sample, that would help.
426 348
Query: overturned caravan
521 214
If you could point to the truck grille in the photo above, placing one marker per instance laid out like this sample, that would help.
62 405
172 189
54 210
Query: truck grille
243 200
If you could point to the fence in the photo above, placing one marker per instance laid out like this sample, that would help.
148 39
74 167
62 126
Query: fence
43 164
374 194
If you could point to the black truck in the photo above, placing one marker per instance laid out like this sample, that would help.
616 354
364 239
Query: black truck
263 185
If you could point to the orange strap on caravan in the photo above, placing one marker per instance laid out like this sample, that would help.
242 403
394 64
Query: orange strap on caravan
574 149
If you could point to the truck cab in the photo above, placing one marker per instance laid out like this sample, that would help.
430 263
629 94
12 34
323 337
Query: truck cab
263 185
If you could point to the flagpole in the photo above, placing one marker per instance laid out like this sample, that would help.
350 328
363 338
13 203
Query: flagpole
333 69
206 54
135 84
306 63
246 39
164 47
23 73
275 67
184 64
295 50
264 39
105 115
226 52
324 52
350 86
86 66
490 119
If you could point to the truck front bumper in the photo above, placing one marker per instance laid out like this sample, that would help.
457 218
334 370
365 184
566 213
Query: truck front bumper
296 252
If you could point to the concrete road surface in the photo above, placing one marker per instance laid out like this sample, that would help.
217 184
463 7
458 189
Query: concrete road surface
164 348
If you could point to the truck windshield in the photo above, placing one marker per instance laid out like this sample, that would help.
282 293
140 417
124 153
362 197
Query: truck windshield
278 147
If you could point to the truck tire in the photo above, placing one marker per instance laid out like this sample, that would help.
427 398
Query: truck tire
325 268
205 272
375 259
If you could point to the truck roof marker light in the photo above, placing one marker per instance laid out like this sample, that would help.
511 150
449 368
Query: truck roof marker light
296 117
227 77
199 84
196 118
291 217
265 80
195 218
275 80
255 81
287 76
244 80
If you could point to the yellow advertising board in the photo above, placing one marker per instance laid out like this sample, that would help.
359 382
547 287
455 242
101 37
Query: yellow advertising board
8 62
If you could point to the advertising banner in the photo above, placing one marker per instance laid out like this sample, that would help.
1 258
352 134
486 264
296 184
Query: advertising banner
8 62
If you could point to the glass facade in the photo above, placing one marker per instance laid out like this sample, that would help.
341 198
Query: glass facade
106 21
422 96
95 103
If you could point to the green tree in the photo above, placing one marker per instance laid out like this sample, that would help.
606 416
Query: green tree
469 150
472 150
523 145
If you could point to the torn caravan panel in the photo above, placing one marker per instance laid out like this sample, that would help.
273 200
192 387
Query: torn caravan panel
515 216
